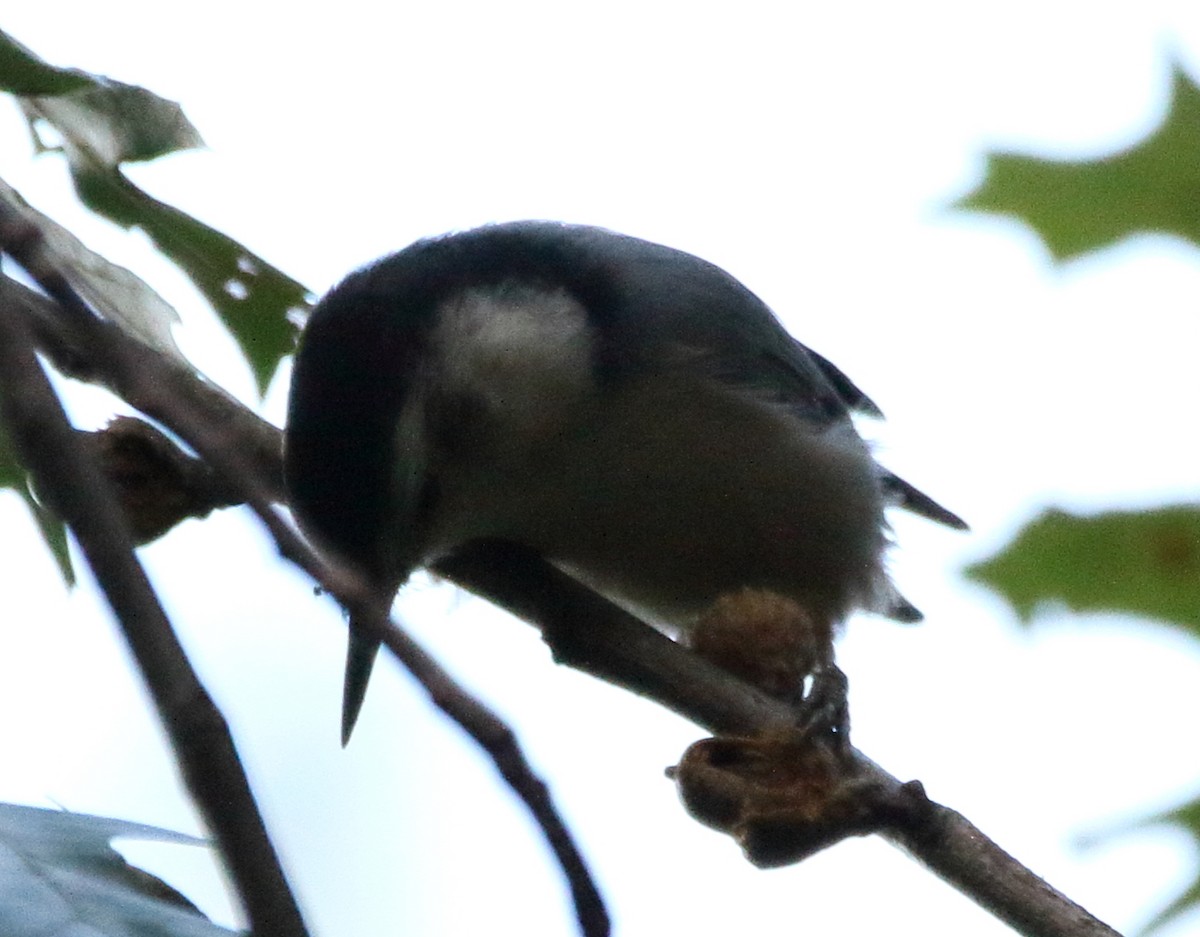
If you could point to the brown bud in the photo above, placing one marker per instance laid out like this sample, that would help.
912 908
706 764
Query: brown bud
156 482
786 796
766 639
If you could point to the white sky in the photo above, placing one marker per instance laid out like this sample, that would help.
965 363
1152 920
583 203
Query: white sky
811 152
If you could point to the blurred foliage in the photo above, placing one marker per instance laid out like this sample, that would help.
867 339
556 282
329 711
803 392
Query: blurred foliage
54 532
1144 563
22 72
1141 562
1187 818
62 877
1077 206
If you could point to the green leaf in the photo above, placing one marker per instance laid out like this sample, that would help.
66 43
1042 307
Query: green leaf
54 531
22 72
120 296
253 299
108 124
59 875
1141 562
1082 205
1185 817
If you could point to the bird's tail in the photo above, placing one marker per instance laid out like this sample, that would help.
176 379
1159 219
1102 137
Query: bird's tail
900 493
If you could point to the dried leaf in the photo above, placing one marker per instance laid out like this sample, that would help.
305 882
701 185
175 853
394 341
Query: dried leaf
114 291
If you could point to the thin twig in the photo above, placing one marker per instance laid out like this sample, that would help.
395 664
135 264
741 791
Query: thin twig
137 374
69 479
589 633
499 741
488 730
74 354
586 631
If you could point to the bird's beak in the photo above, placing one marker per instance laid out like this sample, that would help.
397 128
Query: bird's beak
360 659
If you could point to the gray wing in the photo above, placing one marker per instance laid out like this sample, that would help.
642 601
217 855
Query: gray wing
673 305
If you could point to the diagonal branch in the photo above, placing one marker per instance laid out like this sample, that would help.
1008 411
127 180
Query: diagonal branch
587 632
69 345
134 368
204 750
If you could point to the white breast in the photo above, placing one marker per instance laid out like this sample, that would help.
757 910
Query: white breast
521 355
663 491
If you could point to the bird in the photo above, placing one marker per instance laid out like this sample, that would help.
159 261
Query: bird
631 412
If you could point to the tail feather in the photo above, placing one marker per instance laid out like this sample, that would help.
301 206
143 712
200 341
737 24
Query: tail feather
891 604
903 611
904 495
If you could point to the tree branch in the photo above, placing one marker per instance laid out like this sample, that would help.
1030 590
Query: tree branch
591 634
70 481
69 345
134 368
588 632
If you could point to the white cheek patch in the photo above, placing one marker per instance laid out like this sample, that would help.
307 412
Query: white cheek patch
523 353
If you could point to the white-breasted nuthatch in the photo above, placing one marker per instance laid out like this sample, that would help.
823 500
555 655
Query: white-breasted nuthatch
631 412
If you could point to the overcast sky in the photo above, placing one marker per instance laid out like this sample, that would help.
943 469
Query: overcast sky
809 150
